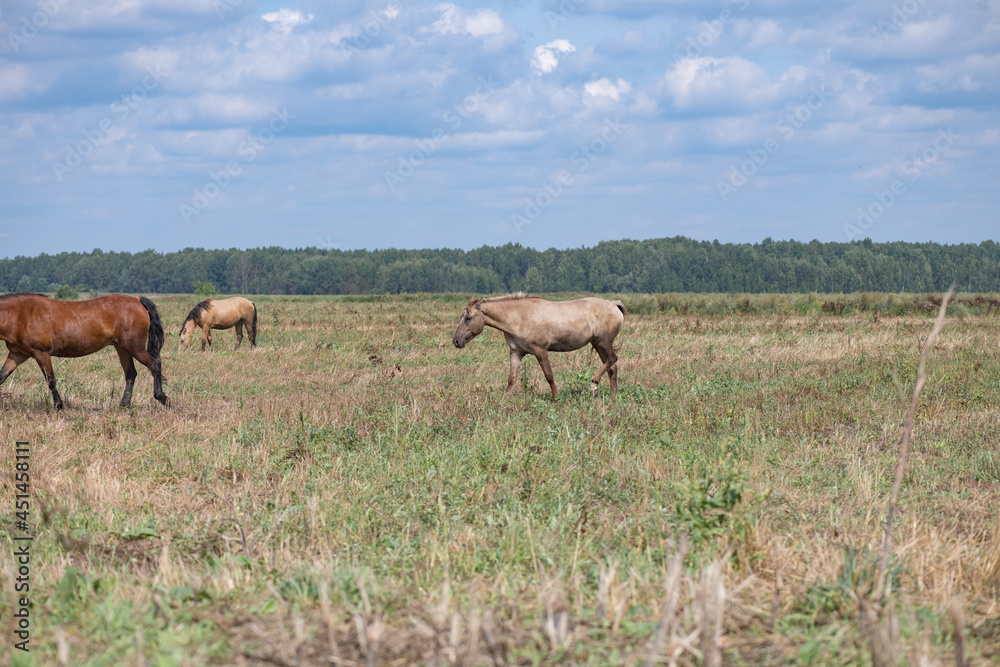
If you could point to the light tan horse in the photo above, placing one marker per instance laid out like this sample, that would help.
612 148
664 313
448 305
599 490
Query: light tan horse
223 314
531 325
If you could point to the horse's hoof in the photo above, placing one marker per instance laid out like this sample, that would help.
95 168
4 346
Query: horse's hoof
593 388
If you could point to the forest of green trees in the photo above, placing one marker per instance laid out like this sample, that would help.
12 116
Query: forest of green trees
657 265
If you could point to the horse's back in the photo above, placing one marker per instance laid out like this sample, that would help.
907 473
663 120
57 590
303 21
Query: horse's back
569 325
74 328
225 313
593 309
104 320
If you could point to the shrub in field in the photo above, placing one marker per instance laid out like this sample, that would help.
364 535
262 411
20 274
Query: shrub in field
807 305
206 289
66 293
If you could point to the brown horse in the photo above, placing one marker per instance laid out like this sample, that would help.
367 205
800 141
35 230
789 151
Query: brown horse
531 325
37 327
223 314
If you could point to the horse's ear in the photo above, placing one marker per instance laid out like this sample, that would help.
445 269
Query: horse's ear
472 303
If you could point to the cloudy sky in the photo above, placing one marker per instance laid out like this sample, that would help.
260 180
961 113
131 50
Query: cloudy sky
164 124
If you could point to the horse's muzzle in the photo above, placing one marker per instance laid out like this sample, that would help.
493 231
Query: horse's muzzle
457 344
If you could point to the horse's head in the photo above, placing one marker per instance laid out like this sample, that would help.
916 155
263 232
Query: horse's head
471 324
187 334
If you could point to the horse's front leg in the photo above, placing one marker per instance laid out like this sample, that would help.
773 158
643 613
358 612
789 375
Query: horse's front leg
14 359
206 337
45 363
543 361
515 366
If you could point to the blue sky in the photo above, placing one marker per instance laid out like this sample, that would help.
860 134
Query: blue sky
164 124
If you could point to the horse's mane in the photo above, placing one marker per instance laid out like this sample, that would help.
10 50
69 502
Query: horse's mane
196 312
516 296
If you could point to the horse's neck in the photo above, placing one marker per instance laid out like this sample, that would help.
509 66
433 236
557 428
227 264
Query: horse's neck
497 315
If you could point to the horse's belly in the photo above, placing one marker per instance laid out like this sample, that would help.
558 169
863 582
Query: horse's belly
227 321
76 343
78 350
568 343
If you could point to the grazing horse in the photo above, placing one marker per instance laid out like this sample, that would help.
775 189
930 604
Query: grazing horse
223 314
531 325
37 327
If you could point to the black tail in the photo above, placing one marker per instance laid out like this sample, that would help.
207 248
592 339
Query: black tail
253 327
155 341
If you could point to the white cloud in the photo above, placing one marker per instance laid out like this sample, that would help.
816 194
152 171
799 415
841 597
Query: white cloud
727 82
694 80
643 106
14 81
230 108
971 74
496 140
455 21
604 88
759 34
285 20
544 59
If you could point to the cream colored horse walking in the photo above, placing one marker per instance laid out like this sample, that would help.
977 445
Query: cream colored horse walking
223 314
531 325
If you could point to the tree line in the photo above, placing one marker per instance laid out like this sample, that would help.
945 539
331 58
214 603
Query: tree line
653 266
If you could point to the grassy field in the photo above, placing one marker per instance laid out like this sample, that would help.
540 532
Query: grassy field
356 491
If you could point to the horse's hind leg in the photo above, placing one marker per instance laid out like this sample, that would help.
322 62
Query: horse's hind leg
239 334
608 356
45 363
14 359
153 364
128 365
613 377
